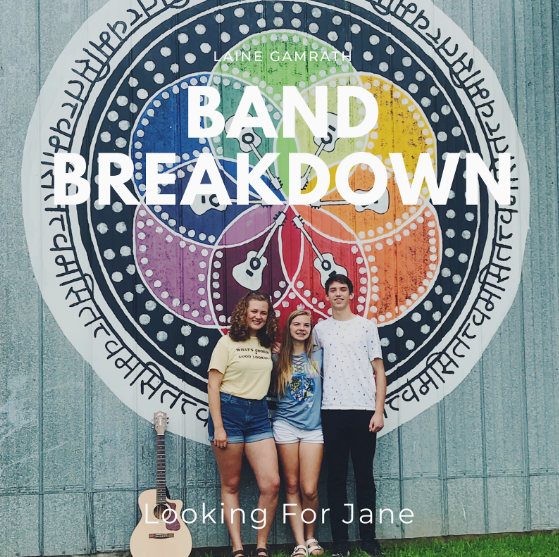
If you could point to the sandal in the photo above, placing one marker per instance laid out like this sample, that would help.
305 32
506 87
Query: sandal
299 550
240 552
315 547
261 552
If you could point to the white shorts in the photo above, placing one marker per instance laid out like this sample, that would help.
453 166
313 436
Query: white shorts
285 433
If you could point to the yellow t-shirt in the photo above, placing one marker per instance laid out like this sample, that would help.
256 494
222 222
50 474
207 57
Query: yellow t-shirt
246 367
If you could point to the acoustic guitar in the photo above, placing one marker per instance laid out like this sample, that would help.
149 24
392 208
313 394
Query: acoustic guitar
327 144
324 262
249 141
161 532
249 273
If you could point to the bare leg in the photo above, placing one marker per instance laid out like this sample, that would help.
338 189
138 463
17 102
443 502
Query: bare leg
289 457
229 462
310 459
263 459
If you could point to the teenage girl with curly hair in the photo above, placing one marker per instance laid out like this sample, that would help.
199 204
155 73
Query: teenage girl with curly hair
297 380
239 379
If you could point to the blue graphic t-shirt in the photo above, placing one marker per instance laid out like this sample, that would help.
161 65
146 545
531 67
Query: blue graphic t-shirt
300 406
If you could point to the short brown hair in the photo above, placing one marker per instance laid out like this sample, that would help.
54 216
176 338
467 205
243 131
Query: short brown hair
339 278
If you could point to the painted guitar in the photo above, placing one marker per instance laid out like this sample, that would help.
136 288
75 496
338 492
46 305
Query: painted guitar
249 141
324 262
380 206
327 143
204 203
249 273
153 537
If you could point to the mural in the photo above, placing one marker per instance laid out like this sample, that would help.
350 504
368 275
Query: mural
145 292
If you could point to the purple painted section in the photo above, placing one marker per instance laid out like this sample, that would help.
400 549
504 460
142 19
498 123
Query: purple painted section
251 222
174 268
273 278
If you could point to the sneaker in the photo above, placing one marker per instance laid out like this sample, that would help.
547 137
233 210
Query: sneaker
372 548
340 549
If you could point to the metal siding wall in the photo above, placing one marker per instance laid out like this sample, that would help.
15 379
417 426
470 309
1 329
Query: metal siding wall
483 460
20 327
541 283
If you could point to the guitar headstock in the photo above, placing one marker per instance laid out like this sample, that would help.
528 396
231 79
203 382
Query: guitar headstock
280 219
276 182
160 421
299 222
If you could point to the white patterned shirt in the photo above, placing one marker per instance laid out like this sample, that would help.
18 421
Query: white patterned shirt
348 348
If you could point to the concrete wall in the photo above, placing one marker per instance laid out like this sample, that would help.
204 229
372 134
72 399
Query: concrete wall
73 458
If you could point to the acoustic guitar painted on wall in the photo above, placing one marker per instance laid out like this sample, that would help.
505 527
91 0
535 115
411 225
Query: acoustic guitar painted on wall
153 537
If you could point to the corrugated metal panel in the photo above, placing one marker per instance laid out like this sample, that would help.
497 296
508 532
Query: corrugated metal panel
485 459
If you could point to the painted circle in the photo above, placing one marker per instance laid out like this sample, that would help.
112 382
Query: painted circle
164 279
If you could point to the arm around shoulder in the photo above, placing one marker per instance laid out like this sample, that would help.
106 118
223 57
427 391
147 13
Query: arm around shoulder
317 355
316 337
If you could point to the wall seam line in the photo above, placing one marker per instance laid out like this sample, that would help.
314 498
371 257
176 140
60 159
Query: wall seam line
41 540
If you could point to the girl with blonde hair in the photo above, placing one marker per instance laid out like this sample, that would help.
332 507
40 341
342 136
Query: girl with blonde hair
297 427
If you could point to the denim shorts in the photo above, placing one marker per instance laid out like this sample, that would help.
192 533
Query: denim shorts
244 420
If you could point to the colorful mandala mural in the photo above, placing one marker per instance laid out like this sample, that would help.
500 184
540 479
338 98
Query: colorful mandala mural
145 292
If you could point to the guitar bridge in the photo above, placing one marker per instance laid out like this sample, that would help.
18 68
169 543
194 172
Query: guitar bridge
160 536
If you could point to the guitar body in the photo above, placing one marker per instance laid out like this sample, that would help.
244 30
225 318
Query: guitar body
324 263
249 273
328 267
203 203
380 207
160 539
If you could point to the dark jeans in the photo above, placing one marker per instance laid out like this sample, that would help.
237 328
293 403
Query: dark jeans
345 432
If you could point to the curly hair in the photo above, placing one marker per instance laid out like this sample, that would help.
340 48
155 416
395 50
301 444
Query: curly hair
240 330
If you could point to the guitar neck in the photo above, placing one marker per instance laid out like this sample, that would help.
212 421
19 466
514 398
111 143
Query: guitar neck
266 242
161 481
310 240
334 203
256 152
268 239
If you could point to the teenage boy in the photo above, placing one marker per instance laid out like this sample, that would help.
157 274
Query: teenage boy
354 389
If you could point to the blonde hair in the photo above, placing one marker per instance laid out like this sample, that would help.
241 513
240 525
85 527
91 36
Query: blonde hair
283 368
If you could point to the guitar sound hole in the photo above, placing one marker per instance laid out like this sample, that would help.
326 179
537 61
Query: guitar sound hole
159 510
255 263
248 138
